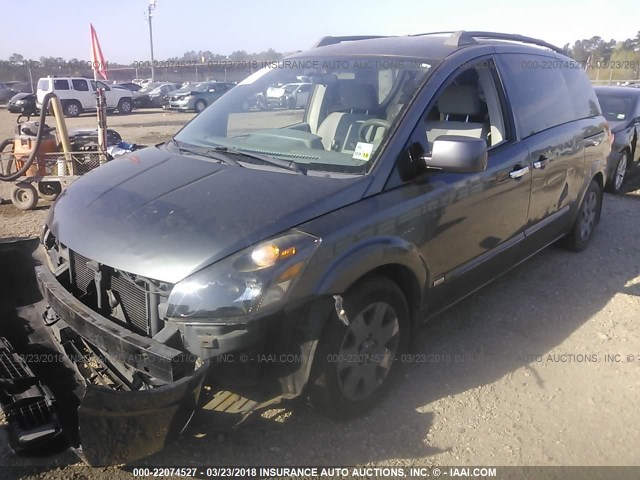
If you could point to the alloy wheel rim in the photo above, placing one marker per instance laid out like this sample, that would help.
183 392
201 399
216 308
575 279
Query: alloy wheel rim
621 171
588 216
368 350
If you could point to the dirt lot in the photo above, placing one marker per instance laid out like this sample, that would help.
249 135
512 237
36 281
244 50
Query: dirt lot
542 367
146 126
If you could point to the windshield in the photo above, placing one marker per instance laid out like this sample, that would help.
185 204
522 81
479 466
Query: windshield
337 123
616 108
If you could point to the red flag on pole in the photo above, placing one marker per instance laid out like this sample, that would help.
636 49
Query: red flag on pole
97 60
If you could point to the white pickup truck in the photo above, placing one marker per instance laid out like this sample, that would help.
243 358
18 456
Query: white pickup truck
77 94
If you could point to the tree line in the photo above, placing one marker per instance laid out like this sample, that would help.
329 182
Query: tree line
603 59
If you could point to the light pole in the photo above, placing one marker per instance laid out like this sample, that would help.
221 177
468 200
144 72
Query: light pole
152 6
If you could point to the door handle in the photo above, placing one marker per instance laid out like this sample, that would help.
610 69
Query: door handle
541 162
520 172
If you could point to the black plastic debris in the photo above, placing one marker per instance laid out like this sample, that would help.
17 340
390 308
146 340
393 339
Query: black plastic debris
27 404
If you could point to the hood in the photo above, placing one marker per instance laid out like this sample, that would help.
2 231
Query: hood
23 96
166 216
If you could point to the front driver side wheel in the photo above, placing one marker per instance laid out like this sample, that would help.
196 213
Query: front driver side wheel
199 106
355 364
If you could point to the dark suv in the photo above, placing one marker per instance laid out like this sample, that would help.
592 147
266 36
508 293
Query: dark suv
289 253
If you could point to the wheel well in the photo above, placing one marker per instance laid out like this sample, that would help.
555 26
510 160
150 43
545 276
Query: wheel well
600 179
404 278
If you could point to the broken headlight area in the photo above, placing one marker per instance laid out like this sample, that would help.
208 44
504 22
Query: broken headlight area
142 347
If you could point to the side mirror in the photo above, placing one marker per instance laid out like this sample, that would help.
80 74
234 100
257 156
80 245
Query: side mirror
458 154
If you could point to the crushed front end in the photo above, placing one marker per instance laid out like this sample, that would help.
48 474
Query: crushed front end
139 392
144 357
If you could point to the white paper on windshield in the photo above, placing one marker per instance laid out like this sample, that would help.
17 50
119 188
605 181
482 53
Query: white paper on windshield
363 151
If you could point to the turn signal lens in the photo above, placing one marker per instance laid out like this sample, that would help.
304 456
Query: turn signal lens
289 252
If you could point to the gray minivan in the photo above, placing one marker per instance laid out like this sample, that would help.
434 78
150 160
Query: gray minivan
294 252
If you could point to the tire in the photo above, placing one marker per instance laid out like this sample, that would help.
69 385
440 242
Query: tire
49 190
291 103
199 106
24 196
125 106
354 365
72 108
587 219
614 185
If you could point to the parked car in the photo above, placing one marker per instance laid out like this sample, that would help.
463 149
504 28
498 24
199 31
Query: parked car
142 82
128 85
291 95
77 94
295 253
621 107
23 103
197 97
156 97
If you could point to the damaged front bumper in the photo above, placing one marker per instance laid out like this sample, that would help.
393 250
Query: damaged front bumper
121 421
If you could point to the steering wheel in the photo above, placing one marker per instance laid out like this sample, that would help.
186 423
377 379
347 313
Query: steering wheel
374 122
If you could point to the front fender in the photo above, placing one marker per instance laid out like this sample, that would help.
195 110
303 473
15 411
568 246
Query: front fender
368 255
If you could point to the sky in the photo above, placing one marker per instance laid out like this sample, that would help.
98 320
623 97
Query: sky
286 25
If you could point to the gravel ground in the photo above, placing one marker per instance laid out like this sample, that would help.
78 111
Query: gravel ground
524 372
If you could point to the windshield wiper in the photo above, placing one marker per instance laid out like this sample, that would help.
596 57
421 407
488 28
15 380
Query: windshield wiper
276 162
205 152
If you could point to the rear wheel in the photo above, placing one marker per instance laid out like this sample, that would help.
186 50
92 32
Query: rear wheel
72 108
587 219
355 363
617 179
125 106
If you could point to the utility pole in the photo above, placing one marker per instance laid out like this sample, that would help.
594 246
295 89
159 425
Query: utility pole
152 6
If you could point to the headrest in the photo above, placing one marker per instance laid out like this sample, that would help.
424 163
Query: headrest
356 96
460 100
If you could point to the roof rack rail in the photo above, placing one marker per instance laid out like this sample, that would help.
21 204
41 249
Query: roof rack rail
462 37
351 38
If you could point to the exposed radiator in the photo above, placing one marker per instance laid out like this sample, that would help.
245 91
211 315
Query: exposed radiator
133 299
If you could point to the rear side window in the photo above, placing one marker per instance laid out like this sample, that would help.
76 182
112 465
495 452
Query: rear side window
80 85
538 92
583 97
60 85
